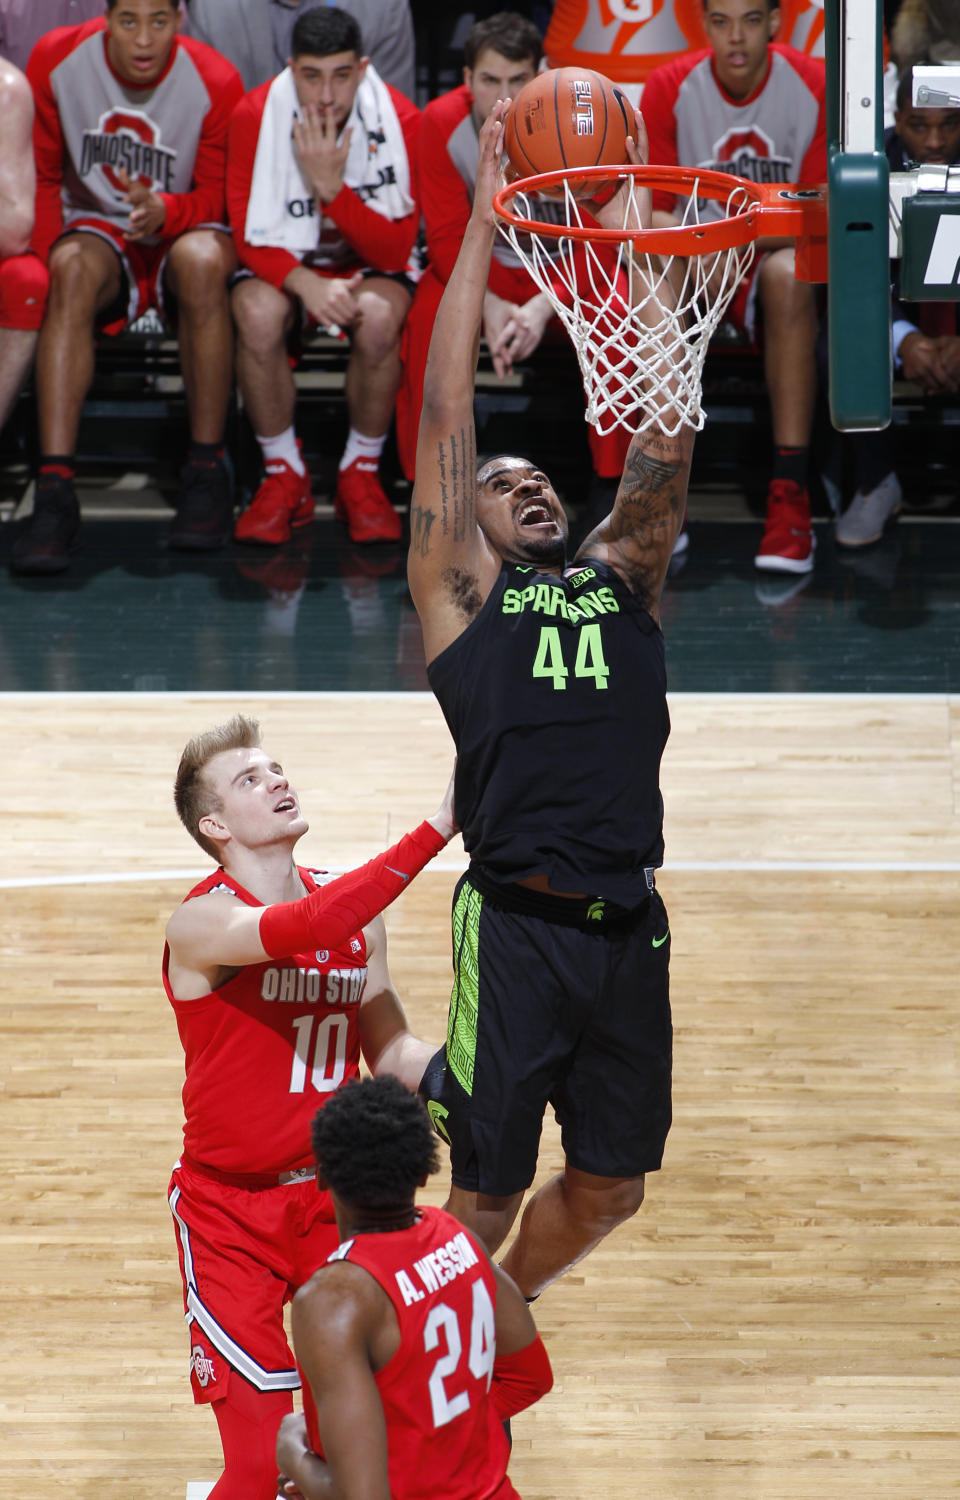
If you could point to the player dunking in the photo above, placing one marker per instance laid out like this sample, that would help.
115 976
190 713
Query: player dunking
414 1347
551 678
279 983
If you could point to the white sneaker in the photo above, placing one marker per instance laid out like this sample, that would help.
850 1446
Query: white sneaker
866 515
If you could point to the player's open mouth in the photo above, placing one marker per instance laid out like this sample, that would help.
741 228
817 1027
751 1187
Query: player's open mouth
286 805
535 514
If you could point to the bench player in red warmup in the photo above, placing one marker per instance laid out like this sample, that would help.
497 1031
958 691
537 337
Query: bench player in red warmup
279 983
415 1347
322 199
130 141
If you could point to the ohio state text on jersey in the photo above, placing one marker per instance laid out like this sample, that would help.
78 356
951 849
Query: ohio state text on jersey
264 1051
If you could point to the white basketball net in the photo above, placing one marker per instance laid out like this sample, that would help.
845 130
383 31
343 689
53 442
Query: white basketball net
641 361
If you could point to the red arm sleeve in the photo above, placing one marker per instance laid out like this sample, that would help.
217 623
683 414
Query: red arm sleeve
47 139
657 107
384 244
328 916
206 201
520 1379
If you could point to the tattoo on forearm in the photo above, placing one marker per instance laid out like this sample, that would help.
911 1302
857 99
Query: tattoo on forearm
650 475
421 524
456 481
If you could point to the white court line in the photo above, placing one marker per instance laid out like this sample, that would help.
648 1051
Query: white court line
447 867
130 695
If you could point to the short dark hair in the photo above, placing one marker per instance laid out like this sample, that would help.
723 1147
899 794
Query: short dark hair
173 4
324 31
374 1143
508 33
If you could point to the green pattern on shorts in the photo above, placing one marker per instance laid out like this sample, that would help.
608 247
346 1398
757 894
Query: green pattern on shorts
464 1001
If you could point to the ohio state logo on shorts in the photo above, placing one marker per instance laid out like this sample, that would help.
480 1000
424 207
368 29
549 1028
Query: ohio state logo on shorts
201 1366
129 139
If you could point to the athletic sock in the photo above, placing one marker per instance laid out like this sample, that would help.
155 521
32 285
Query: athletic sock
791 463
57 466
205 454
282 449
361 446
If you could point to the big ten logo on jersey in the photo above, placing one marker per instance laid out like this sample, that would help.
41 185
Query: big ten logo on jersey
293 986
750 153
130 140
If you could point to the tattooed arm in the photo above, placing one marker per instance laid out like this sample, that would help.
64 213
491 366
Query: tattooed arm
450 568
637 537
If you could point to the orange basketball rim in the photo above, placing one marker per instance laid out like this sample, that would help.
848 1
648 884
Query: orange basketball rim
748 211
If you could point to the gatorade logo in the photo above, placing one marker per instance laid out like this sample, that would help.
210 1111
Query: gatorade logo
944 256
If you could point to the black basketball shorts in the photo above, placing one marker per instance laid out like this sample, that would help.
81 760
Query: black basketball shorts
577 1016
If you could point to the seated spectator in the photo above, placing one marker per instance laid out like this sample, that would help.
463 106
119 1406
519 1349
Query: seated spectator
130 142
750 106
926 344
24 22
256 35
501 54
321 197
23 277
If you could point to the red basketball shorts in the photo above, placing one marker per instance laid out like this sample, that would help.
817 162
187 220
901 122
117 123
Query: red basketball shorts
23 292
242 1256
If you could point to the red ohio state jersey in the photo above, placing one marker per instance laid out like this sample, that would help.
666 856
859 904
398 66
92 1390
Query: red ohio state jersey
777 134
444 1438
170 135
264 1051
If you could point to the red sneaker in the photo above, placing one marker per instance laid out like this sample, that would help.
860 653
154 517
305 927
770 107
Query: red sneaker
361 501
283 501
788 539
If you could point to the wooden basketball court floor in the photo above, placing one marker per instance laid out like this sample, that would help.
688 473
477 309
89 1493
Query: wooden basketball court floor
779 1322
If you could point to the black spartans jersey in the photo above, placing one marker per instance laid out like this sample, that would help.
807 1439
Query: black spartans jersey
556 698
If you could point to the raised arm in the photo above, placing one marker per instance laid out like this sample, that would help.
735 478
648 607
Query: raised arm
451 570
637 537
217 932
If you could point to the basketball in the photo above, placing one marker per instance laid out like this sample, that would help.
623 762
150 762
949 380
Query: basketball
568 117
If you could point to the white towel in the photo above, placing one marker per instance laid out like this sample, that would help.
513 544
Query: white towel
377 166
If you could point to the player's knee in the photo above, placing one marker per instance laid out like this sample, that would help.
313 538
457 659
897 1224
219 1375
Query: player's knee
604 1207
379 329
24 282
259 312
200 268
75 276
